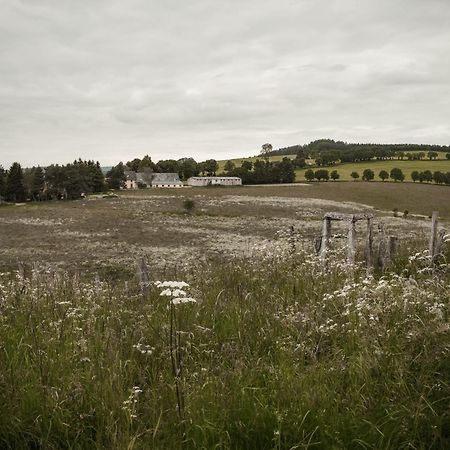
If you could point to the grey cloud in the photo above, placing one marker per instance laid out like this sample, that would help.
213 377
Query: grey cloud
111 80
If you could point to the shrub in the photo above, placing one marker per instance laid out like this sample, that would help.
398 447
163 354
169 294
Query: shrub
188 205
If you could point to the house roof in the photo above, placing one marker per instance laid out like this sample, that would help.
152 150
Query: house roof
166 178
130 175
214 178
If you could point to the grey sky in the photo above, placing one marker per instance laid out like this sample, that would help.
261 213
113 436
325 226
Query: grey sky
112 80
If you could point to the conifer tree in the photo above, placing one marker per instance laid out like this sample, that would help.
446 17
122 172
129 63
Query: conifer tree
15 189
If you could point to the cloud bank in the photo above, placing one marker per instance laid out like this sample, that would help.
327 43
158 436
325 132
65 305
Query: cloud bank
110 80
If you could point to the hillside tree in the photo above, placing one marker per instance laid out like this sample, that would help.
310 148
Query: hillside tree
334 175
309 175
368 175
397 174
384 175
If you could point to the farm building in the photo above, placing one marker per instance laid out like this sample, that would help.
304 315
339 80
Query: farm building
149 179
208 181
166 180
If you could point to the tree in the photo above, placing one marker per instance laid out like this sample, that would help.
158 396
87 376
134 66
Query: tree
439 177
447 155
210 167
2 183
383 175
397 174
187 168
309 175
321 174
427 176
415 176
229 166
146 163
37 183
368 175
285 170
432 155
116 177
15 189
266 149
354 175
334 175
167 166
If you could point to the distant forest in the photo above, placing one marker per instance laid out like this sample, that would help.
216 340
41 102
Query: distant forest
349 152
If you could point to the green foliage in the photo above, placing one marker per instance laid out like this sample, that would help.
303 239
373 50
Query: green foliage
116 177
321 174
368 175
384 175
334 175
188 205
309 175
397 174
15 188
229 166
2 183
354 175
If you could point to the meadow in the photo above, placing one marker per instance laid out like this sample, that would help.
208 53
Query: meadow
344 170
129 323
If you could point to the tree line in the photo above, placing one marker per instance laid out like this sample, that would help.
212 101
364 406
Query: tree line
262 171
327 152
395 174
68 181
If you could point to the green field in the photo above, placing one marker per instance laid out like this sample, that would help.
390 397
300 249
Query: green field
441 164
239 161
407 167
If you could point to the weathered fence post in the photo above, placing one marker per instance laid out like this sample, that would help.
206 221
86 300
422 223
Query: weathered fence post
369 247
382 248
434 236
391 248
326 234
143 276
351 242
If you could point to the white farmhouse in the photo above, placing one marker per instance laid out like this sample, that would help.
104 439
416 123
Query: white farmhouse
211 181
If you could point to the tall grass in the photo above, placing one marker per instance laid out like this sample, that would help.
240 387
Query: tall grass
275 354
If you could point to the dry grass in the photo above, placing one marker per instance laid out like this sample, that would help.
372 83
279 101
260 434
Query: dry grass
108 235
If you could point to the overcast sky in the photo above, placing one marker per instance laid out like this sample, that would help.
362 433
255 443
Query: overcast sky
111 80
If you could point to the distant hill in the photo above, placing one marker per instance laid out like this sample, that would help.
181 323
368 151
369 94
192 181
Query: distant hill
326 145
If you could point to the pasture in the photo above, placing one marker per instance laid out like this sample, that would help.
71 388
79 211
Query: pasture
114 232
344 170
232 335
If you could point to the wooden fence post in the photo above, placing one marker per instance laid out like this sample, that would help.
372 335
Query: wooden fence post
326 234
382 248
369 248
143 276
433 236
351 242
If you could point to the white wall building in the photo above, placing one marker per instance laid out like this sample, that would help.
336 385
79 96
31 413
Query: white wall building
211 181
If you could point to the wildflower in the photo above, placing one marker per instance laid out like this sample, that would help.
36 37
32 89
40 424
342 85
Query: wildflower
181 300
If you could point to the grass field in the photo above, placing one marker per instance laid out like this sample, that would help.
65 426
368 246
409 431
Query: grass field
407 167
236 220
239 161
263 348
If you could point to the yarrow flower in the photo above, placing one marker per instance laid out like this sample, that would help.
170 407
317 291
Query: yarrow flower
174 289
181 300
